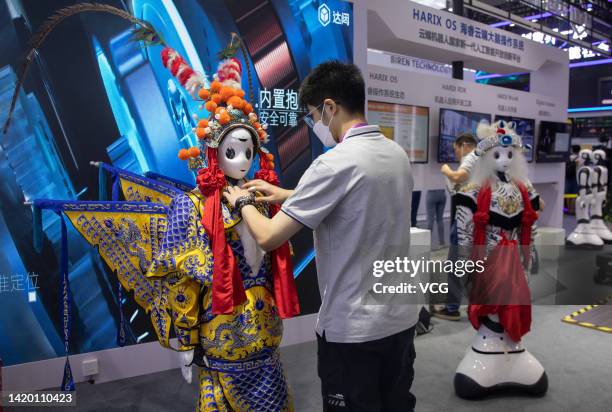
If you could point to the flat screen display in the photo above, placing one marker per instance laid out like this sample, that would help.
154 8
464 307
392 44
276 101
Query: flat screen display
553 142
407 125
524 128
136 116
452 124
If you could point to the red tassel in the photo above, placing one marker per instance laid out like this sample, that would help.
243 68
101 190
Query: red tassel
227 287
285 292
481 220
527 221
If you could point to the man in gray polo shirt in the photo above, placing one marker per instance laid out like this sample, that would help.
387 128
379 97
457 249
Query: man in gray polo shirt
356 198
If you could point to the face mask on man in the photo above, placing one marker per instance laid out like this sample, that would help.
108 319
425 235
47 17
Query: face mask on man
321 130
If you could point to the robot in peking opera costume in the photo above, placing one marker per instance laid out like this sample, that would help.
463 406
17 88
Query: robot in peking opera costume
232 295
185 252
496 214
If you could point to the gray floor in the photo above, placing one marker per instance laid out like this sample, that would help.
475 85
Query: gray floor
578 362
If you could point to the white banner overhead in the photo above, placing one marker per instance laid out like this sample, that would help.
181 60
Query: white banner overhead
412 29
396 86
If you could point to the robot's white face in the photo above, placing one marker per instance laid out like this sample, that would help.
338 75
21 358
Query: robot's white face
235 153
503 157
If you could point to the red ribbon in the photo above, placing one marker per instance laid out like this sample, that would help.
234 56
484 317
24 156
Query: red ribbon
481 220
227 287
529 217
285 293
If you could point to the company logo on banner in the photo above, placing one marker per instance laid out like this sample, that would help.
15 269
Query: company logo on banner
324 15
327 15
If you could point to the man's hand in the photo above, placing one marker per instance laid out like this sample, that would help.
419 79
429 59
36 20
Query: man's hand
272 194
445 169
232 193
268 233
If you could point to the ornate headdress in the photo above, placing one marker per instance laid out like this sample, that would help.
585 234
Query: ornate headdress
225 103
227 109
500 133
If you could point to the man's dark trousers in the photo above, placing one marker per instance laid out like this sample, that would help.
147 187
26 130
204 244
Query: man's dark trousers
368 376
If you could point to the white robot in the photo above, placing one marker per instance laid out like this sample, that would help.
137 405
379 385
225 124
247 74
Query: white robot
600 191
496 215
584 236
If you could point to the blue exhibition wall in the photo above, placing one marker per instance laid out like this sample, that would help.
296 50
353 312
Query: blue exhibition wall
95 95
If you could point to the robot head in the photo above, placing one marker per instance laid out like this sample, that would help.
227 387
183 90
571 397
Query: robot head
236 152
501 151
585 157
599 156
229 130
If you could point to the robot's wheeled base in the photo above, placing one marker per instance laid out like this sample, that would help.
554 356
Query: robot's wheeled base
467 388
496 364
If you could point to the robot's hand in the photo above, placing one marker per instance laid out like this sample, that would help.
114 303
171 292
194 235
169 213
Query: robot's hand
186 359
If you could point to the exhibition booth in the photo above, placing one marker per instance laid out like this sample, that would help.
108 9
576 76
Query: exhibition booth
93 142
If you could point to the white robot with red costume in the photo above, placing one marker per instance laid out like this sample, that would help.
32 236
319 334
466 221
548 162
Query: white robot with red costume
496 214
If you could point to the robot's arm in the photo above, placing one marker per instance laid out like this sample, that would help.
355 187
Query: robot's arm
584 188
583 179
602 178
465 230
597 179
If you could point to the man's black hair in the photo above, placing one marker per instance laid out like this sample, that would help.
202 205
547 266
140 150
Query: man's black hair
465 138
341 82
